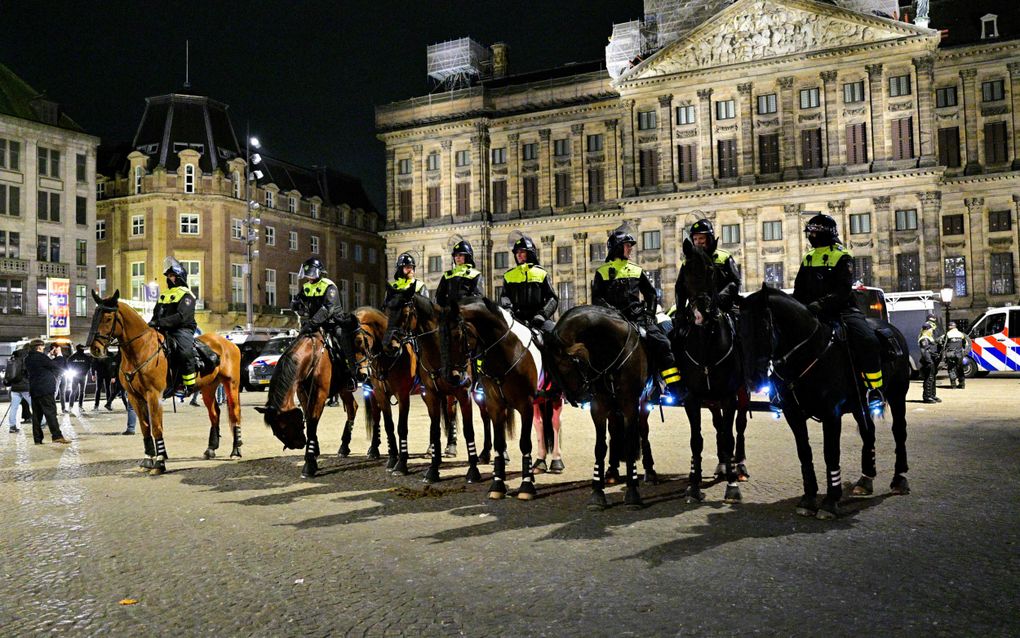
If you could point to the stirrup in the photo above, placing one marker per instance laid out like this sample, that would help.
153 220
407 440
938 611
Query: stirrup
876 402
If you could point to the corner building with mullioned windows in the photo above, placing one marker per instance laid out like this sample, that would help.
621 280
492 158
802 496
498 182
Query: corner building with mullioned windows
753 114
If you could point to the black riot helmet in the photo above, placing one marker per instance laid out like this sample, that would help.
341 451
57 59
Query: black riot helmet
312 269
528 246
405 259
821 230
704 227
172 266
614 245
463 247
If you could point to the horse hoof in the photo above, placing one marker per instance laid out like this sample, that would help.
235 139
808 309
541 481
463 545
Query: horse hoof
597 502
612 476
373 453
828 510
400 469
742 474
235 453
485 458
807 506
651 477
431 475
497 490
527 491
309 470
210 453
451 450
694 495
900 486
158 468
720 470
391 462
863 488
145 465
344 451
539 467
556 467
733 495
632 499
473 475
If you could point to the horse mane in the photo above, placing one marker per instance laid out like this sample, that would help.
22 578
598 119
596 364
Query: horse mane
698 264
284 375
374 319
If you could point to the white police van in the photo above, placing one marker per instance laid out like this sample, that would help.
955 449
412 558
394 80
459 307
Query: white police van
260 371
994 342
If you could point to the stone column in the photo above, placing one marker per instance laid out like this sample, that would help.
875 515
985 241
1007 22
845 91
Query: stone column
548 255
446 180
513 174
392 214
1014 92
925 72
578 192
629 182
876 93
545 172
789 148
480 169
793 239
419 193
667 174
670 257
837 210
612 163
931 206
746 168
885 262
706 169
976 248
580 268
971 110
750 269
834 163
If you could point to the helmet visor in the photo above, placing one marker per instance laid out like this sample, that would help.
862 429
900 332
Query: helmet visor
171 264
310 271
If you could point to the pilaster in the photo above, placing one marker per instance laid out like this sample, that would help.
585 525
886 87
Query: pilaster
612 163
578 192
446 180
793 239
931 207
971 109
751 270
669 260
545 172
580 268
976 248
391 188
789 149
706 169
876 100
834 163
925 72
886 261
1014 92
513 174
480 169
667 174
419 192
629 162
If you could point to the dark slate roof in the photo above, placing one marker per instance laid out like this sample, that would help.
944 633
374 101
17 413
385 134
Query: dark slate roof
18 99
567 70
177 121
963 19
332 187
111 158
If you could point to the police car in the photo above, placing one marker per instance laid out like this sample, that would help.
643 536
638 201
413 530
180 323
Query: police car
260 371
994 342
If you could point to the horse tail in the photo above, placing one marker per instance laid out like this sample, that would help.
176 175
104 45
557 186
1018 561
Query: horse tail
510 428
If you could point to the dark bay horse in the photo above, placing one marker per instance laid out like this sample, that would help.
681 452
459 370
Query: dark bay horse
143 374
508 366
706 352
595 355
813 374
412 319
390 377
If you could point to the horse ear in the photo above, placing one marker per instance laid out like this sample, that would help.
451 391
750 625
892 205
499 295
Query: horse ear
116 296
96 297
764 286
688 248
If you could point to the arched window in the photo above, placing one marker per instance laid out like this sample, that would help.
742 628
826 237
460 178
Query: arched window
189 178
139 171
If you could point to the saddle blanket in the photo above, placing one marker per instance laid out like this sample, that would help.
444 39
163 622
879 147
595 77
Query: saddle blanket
524 335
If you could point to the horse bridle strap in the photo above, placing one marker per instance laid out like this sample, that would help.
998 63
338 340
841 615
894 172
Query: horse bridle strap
520 357
616 363
783 360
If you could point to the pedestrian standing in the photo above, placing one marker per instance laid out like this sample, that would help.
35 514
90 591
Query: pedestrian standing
16 377
43 373
929 360
132 418
956 345
79 365
101 370
58 358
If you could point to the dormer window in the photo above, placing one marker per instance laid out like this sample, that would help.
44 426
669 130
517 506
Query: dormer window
139 172
269 199
292 204
989 26
189 178
315 210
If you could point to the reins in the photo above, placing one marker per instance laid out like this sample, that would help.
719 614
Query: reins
110 339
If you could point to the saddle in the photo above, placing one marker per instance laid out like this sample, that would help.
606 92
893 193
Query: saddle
889 344
206 361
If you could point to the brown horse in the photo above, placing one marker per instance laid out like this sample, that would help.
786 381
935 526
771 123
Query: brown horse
143 373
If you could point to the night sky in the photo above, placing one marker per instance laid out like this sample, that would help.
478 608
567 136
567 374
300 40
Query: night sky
307 75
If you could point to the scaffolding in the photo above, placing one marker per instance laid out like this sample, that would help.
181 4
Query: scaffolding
626 43
456 63
884 8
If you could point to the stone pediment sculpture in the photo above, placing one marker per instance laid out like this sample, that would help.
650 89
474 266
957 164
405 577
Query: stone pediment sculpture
751 30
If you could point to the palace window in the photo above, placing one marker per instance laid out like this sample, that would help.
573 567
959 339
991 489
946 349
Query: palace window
860 224
949 147
903 138
405 205
908 272
651 240
647 120
596 186
996 143
499 197
811 147
564 255
433 202
435 264
463 198
725 110
899 85
1002 274
946 96
561 148
597 252
853 92
954 271
432 163
563 190
530 184
499 156
999 220
686 114
809 98
463 158
993 91
864 270
566 295
856 144
404 166
774 274
768 153
501 259
649 167
727 152
767 104
595 142
687 162
529 151
952 225
731 234
772 231
906 219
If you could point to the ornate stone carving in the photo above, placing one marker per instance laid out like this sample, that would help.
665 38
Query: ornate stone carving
405 182
1001 109
968 74
901 106
792 209
446 144
668 219
1014 68
882 201
544 134
704 94
772 250
610 125
863 243
513 138
953 244
925 65
947 116
974 202
391 154
577 129
873 70
531 166
648 139
786 83
809 118
748 213
499 170
828 76
745 88
580 236
416 149
461 173
1000 241
860 110
770 122
837 206
907 238
548 239
665 100
930 197
688 133
561 162
726 129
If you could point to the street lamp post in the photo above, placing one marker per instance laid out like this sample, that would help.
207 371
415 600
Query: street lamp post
947 298
250 221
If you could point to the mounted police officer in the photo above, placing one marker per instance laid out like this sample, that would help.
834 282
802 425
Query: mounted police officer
929 359
174 316
527 288
955 345
463 280
403 278
727 279
825 285
623 285
319 306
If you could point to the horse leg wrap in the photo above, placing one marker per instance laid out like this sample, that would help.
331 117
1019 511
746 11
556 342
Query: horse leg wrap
346 436
161 449
598 475
835 479
150 447
237 436
807 474
633 471
472 454
526 474
312 448
498 468
214 437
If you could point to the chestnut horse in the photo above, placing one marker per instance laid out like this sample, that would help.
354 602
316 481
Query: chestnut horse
143 374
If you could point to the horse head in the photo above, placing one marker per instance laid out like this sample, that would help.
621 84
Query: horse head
367 341
699 281
454 348
401 321
105 322
758 336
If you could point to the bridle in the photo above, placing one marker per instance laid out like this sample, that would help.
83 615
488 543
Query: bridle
409 336
588 382
112 339
481 356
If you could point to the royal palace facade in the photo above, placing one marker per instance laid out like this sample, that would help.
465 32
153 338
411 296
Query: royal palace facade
759 115
179 189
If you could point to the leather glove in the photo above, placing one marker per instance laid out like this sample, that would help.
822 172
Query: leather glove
814 307
153 324
537 322
506 303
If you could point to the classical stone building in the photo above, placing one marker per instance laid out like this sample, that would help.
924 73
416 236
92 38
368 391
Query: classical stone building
47 210
179 190
754 115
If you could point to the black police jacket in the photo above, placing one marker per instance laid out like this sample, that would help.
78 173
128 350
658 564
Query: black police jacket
317 303
623 285
174 310
461 282
825 281
527 291
727 280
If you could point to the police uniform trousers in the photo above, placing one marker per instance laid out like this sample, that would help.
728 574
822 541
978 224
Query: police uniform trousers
954 365
184 349
657 346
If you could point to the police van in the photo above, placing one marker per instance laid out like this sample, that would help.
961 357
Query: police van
260 371
994 342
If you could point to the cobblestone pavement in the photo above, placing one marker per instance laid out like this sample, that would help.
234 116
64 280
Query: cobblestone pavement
248 548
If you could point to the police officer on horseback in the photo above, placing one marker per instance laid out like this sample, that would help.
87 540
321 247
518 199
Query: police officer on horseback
825 285
463 280
955 344
174 317
623 285
403 278
318 304
527 288
727 279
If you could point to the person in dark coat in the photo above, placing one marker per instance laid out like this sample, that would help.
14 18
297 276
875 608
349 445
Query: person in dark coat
19 388
174 317
57 355
102 368
43 373
80 363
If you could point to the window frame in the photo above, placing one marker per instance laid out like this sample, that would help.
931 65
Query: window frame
860 223
725 109
686 114
729 234
853 92
769 228
770 104
137 226
189 178
900 85
648 120
810 98
651 240
905 219
100 230
943 95
189 224
313 244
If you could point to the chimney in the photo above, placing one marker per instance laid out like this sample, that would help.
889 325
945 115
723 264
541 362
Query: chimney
499 60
